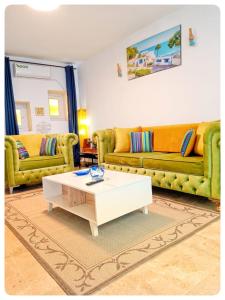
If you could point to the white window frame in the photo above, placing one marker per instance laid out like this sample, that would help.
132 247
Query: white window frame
62 98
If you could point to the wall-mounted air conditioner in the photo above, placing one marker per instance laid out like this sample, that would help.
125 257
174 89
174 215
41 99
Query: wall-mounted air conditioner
30 70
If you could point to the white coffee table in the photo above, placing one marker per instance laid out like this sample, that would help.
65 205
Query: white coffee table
120 193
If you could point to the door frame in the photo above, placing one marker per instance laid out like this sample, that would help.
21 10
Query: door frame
28 107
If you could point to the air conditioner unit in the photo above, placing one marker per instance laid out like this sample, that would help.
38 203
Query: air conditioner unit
30 70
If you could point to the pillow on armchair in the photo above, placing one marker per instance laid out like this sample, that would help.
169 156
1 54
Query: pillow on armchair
23 153
48 146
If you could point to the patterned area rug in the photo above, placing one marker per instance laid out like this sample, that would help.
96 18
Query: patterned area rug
80 263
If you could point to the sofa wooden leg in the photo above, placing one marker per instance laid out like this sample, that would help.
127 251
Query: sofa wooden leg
11 189
216 202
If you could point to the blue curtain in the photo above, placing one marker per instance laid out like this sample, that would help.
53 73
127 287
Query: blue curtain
11 126
72 109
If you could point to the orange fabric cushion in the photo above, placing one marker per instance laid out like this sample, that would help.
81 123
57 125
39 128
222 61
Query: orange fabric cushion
199 143
122 138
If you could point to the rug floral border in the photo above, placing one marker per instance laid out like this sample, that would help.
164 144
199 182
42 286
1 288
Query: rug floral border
56 260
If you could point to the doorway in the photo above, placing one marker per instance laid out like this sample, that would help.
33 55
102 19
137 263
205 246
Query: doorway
23 114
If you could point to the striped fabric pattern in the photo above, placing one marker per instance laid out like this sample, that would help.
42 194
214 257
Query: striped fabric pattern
188 142
141 142
48 146
23 153
43 144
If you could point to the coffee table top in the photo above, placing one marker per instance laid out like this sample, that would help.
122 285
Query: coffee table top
112 180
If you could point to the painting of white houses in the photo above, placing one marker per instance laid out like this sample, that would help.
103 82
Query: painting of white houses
156 53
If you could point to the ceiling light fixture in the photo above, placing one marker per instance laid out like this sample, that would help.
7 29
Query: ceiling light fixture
44 6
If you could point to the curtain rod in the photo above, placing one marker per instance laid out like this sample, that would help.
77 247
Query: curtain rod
35 63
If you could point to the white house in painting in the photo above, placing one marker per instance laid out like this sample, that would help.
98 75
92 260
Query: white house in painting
163 60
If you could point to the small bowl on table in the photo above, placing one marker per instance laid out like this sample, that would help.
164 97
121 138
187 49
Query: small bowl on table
97 172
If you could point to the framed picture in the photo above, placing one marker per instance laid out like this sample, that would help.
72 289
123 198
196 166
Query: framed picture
39 111
156 53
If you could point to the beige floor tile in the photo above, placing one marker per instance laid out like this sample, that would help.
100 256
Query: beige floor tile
209 286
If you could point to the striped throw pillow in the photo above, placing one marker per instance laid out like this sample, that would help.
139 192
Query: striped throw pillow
48 146
188 142
141 142
23 153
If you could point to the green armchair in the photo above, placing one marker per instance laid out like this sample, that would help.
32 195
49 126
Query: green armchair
30 171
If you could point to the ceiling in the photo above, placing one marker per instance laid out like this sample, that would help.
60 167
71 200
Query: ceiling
74 32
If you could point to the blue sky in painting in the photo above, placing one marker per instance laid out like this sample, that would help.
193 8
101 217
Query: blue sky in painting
160 38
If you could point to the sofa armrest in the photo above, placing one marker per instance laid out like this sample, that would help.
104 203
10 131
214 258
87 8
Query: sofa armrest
212 157
11 160
65 143
105 140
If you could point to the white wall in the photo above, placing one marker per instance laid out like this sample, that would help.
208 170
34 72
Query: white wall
187 93
36 90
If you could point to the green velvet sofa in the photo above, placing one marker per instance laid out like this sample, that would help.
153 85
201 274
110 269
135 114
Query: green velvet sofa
195 174
30 171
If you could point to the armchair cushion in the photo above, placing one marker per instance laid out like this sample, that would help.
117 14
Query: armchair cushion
22 150
48 146
32 142
37 162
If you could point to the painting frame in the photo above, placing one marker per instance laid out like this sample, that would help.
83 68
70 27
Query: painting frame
156 53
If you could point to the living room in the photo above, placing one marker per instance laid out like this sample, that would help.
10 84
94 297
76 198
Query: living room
112 149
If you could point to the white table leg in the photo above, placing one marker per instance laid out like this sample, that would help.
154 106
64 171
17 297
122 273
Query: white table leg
145 210
50 206
94 228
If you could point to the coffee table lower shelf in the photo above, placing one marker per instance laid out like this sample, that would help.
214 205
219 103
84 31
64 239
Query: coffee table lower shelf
84 210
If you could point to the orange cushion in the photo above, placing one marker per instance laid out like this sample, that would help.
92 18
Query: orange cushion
169 138
199 143
122 138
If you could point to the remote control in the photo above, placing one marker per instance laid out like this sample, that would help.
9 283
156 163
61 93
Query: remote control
94 182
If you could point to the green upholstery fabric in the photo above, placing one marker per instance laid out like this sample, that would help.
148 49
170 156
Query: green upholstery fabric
176 163
63 162
159 161
194 175
37 162
192 184
124 159
31 177
129 159
105 140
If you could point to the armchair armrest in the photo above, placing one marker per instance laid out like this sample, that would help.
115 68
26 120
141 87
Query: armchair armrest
65 143
212 157
11 160
105 140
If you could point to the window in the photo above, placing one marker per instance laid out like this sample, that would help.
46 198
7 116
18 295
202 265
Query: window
54 107
57 105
